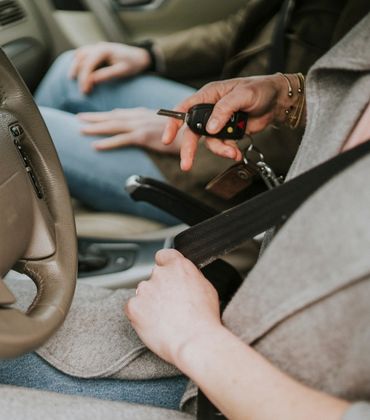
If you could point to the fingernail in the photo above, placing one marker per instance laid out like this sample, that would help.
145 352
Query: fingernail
212 125
185 166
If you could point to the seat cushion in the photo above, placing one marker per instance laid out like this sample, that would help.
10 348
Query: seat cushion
21 403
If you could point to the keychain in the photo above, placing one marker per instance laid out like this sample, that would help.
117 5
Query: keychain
265 171
241 175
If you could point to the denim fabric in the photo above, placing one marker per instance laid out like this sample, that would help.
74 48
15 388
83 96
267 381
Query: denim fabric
32 371
97 178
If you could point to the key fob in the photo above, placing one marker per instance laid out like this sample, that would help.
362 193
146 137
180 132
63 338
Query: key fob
198 116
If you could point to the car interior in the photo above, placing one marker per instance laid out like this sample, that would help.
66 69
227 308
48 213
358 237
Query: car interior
39 225
115 250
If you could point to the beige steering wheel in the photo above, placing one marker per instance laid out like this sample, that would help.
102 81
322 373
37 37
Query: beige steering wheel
37 232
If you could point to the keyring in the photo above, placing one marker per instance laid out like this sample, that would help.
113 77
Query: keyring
251 151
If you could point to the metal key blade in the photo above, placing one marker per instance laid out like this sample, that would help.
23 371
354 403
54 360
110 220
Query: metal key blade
173 114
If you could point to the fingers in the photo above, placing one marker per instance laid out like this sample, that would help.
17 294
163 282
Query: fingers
105 123
255 95
170 131
115 142
227 149
73 70
79 56
255 125
226 106
188 148
167 256
202 96
86 68
141 287
121 114
173 125
95 116
102 128
107 73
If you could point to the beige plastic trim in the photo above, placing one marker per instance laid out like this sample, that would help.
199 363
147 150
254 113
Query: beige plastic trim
89 32
108 19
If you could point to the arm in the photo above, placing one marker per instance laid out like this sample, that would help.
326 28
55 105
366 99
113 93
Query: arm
176 314
204 46
264 98
244 385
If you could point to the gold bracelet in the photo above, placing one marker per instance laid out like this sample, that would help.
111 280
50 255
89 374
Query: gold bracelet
290 89
297 117
294 113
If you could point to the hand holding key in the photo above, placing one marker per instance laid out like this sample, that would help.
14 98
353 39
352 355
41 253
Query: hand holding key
197 118
262 98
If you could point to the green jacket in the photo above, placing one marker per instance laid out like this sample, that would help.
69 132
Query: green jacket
240 46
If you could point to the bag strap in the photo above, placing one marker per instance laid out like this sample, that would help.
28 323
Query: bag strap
221 234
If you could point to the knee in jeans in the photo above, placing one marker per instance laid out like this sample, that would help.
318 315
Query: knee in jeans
62 63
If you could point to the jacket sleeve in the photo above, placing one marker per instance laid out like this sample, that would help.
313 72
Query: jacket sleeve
358 411
200 51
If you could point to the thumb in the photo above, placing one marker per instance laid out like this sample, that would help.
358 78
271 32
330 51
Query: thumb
167 256
226 107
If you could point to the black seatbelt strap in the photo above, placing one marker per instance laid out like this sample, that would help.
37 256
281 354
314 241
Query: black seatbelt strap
221 234
277 54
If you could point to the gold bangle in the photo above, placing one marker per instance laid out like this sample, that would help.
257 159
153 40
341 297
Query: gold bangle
296 118
290 89
294 113
301 82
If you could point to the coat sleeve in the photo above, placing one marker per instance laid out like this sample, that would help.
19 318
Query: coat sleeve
358 411
200 51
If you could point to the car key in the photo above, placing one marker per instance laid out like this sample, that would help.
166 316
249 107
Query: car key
198 115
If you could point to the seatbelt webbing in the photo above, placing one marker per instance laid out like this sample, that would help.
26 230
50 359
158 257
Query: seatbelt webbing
221 234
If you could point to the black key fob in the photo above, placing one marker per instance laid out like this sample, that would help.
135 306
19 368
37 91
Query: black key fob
198 116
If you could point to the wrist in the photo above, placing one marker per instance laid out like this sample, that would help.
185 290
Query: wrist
144 59
149 59
290 104
196 349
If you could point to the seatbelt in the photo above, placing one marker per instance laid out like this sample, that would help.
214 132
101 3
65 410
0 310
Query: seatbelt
277 54
223 233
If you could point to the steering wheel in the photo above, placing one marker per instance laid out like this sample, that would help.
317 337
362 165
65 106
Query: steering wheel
37 231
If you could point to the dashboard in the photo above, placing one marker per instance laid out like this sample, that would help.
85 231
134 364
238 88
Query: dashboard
23 37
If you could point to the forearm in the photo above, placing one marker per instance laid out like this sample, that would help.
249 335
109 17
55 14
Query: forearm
199 51
244 385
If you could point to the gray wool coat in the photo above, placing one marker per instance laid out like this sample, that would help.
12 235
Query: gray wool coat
305 306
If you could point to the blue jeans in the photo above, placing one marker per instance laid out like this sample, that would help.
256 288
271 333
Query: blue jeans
33 372
97 178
